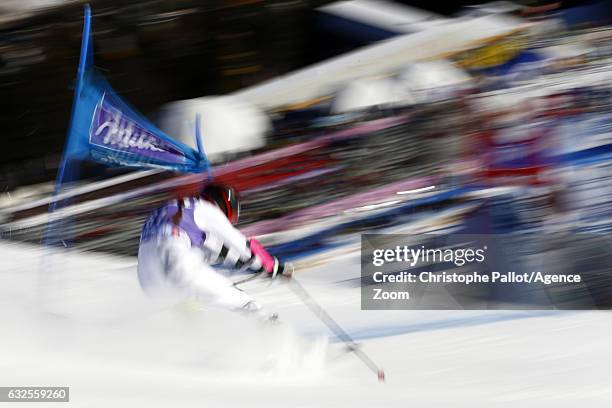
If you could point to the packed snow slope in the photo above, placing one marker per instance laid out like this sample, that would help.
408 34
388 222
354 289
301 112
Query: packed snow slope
80 320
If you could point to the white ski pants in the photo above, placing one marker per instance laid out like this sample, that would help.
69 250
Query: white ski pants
170 266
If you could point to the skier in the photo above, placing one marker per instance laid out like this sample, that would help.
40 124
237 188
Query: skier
182 240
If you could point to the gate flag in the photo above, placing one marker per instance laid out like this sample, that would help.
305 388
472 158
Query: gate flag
106 129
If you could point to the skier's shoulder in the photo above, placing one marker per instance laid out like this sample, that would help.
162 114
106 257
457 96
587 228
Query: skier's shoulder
210 219
205 207
185 203
209 215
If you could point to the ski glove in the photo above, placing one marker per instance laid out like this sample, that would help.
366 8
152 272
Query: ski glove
270 263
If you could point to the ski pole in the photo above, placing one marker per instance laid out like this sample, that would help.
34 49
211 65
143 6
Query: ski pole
250 278
334 327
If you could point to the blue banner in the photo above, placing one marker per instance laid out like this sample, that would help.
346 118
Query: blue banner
106 129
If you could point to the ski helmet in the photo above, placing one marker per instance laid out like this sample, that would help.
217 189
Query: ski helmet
225 198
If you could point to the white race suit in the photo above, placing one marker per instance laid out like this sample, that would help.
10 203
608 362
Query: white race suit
175 258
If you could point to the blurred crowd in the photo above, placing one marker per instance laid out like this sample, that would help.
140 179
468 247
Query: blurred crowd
152 51
526 144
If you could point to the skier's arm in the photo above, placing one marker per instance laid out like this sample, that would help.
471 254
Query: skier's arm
228 246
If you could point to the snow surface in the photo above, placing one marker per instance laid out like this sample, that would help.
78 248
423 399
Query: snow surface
80 320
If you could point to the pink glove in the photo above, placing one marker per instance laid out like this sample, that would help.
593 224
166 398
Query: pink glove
269 262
